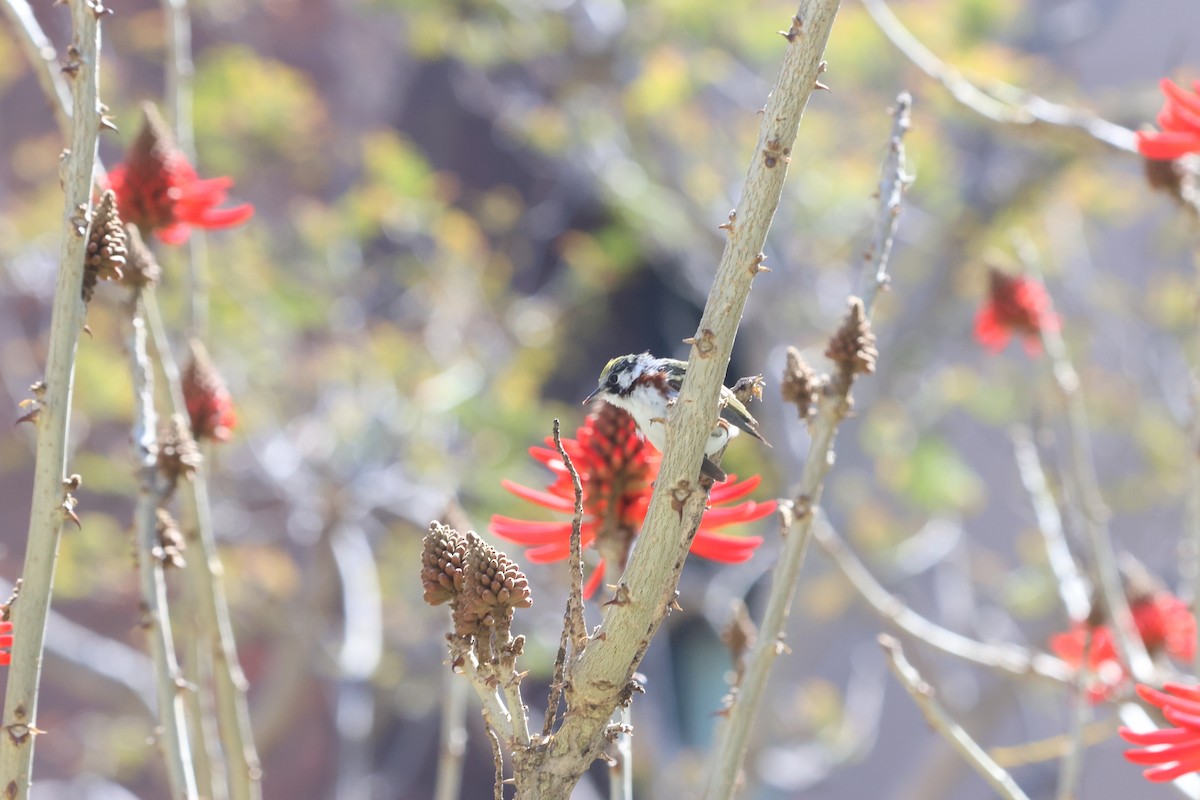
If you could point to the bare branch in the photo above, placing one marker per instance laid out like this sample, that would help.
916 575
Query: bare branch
939 720
894 181
1072 586
50 492
1000 102
1006 658
602 677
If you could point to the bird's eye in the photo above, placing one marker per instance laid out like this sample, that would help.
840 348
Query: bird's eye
612 379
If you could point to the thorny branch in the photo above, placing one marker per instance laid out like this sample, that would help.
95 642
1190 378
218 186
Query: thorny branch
50 495
853 352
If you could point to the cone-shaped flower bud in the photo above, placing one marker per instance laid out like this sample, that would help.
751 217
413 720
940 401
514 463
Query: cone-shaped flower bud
160 191
442 558
209 403
106 252
178 455
799 384
493 586
141 267
852 348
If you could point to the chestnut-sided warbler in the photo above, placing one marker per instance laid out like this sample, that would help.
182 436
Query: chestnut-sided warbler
646 387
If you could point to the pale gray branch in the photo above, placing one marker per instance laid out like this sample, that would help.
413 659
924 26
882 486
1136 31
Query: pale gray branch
51 500
943 723
1001 102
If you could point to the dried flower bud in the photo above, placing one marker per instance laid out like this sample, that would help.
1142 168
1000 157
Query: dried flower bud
747 389
178 455
209 403
170 541
852 348
800 384
493 586
739 635
106 252
141 267
442 557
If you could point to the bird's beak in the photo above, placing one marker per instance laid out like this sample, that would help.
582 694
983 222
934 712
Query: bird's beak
591 396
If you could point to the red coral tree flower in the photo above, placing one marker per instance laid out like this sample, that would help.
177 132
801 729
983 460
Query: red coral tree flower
1015 305
1180 123
158 190
6 643
1169 752
1165 624
616 469
209 404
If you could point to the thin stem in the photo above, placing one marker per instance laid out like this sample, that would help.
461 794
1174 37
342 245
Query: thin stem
1001 102
44 58
894 181
168 679
575 600
453 742
233 713
50 500
833 406
620 768
1073 589
211 779
204 567
1072 760
602 675
1095 514
922 693
1005 658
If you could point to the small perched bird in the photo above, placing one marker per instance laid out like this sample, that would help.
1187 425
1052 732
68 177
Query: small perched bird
646 386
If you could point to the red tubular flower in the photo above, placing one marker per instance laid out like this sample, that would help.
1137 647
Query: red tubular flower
6 643
616 468
1015 304
1170 752
1165 624
157 189
208 401
1180 123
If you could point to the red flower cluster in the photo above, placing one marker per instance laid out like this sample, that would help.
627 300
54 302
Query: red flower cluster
209 404
6 643
616 468
1015 305
158 190
1165 624
1180 123
1170 752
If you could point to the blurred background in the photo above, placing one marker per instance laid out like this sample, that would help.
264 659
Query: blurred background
463 210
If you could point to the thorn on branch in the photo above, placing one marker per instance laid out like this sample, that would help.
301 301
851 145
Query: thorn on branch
74 61
793 33
728 226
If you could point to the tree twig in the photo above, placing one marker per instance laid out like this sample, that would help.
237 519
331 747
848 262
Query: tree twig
1095 514
894 181
603 674
44 60
452 744
832 407
1005 658
922 693
1073 589
1001 102
51 500
157 622
1072 759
